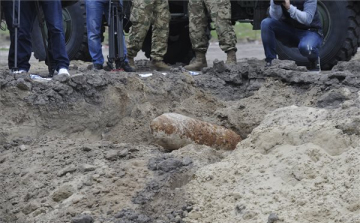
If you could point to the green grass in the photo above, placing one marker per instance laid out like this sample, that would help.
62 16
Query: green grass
244 32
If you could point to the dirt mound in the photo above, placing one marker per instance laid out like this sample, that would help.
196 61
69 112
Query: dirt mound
80 149
299 165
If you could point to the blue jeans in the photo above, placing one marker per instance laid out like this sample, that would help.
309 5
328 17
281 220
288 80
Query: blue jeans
56 39
24 52
308 42
94 13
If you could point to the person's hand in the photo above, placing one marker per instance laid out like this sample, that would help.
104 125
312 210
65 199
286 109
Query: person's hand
286 4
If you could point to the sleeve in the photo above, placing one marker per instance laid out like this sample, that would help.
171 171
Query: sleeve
304 17
275 10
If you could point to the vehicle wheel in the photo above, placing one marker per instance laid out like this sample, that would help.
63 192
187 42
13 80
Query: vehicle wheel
341 24
74 25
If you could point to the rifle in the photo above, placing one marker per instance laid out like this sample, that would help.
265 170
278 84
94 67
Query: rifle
116 37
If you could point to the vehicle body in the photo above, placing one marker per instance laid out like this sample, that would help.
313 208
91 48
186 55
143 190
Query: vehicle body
341 24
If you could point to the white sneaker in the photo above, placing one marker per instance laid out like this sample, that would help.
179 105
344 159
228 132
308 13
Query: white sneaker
63 71
19 71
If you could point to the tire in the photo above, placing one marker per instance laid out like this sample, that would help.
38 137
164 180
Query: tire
179 45
341 24
74 23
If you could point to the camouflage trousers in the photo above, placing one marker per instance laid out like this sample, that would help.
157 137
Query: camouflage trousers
145 13
220 12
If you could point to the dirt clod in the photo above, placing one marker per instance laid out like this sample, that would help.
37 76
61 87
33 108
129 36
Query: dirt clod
62 193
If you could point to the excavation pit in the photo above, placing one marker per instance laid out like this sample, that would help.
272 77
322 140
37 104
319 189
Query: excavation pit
86 141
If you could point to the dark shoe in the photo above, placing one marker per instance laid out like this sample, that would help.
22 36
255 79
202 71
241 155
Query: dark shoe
268 64
127 67
97 66
314 66
51 71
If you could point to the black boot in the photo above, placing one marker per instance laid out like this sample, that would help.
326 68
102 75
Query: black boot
268 64
314 66
97 66
127 67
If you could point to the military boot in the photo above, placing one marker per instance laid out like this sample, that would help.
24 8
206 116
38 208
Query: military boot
231 57
159 65
198 63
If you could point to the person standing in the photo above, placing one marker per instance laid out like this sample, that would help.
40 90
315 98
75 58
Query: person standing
220 13
95 9
56 39
7 9
295 25
143 15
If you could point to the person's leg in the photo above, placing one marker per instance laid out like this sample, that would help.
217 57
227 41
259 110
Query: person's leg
24 33
7 7
160 30
272 30
94 13
53 17
220 12
141 14
125 64
309 45
160 34
198 24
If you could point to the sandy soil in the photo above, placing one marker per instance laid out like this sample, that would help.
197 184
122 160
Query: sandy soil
80 149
